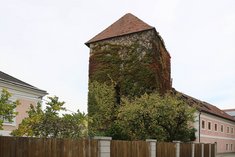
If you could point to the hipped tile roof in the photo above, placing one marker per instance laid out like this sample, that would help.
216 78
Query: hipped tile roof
202 106
10 79
125 25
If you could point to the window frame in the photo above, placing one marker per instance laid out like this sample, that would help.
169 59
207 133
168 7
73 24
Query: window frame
209 123
203 126
215 124
221 128
227 147
7 123
227 129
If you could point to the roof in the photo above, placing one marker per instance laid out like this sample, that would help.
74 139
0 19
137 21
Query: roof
229 110
125 25
10 79
204 106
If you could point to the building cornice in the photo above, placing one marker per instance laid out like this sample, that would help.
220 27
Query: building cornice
22 88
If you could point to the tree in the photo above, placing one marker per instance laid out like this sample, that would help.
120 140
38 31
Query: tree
7 107
165 118
101 107
74 125
48 123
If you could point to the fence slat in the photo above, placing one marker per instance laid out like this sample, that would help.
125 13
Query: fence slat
185 150
165 149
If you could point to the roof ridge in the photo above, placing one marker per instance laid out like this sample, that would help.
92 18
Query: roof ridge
8 78
127 24
207 107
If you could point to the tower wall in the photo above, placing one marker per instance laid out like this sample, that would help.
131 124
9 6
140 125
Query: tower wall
147 48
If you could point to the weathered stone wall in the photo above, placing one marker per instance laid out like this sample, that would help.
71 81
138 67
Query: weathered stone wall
151 44
143 38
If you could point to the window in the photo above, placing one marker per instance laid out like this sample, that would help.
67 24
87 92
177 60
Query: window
216 127
226 146
5 119
203 124
7 122
209 125
222 128
231 130
231 146
227 130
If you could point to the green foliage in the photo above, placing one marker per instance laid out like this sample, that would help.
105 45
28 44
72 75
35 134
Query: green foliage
152 116
74 125
48 123
7 107
149 116
129 67
101 107
122 99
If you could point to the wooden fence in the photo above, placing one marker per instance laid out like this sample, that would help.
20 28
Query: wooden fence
100 147
165 149
45 147
129 149
185 150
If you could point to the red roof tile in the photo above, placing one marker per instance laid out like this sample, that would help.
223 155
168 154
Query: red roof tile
125 25
229 109
204 106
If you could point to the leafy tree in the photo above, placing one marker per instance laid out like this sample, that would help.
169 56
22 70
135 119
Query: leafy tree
48 123
7 107
152 116
165 118
101 107
74 125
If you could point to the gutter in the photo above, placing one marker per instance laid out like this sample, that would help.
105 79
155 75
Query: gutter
24 86
199 132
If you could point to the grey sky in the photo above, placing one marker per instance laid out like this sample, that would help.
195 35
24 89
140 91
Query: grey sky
42 43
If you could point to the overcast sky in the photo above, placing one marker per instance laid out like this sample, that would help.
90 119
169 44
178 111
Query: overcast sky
42 43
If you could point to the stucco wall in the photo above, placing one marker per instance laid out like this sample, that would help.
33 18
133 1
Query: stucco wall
22 113
225 140
25 97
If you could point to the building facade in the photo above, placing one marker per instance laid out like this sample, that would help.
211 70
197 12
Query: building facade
217 129
212 125
25 93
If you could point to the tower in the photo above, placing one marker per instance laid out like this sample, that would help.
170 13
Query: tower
130 57
130 53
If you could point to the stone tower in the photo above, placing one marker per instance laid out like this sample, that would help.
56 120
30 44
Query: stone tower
127 60
131 54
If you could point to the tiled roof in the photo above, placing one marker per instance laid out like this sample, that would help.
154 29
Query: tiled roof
229 110
204 106
125 25
7 78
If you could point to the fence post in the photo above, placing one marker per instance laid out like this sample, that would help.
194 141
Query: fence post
152 147
202 153
104 144
209 150
215 148
193 149
177 148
